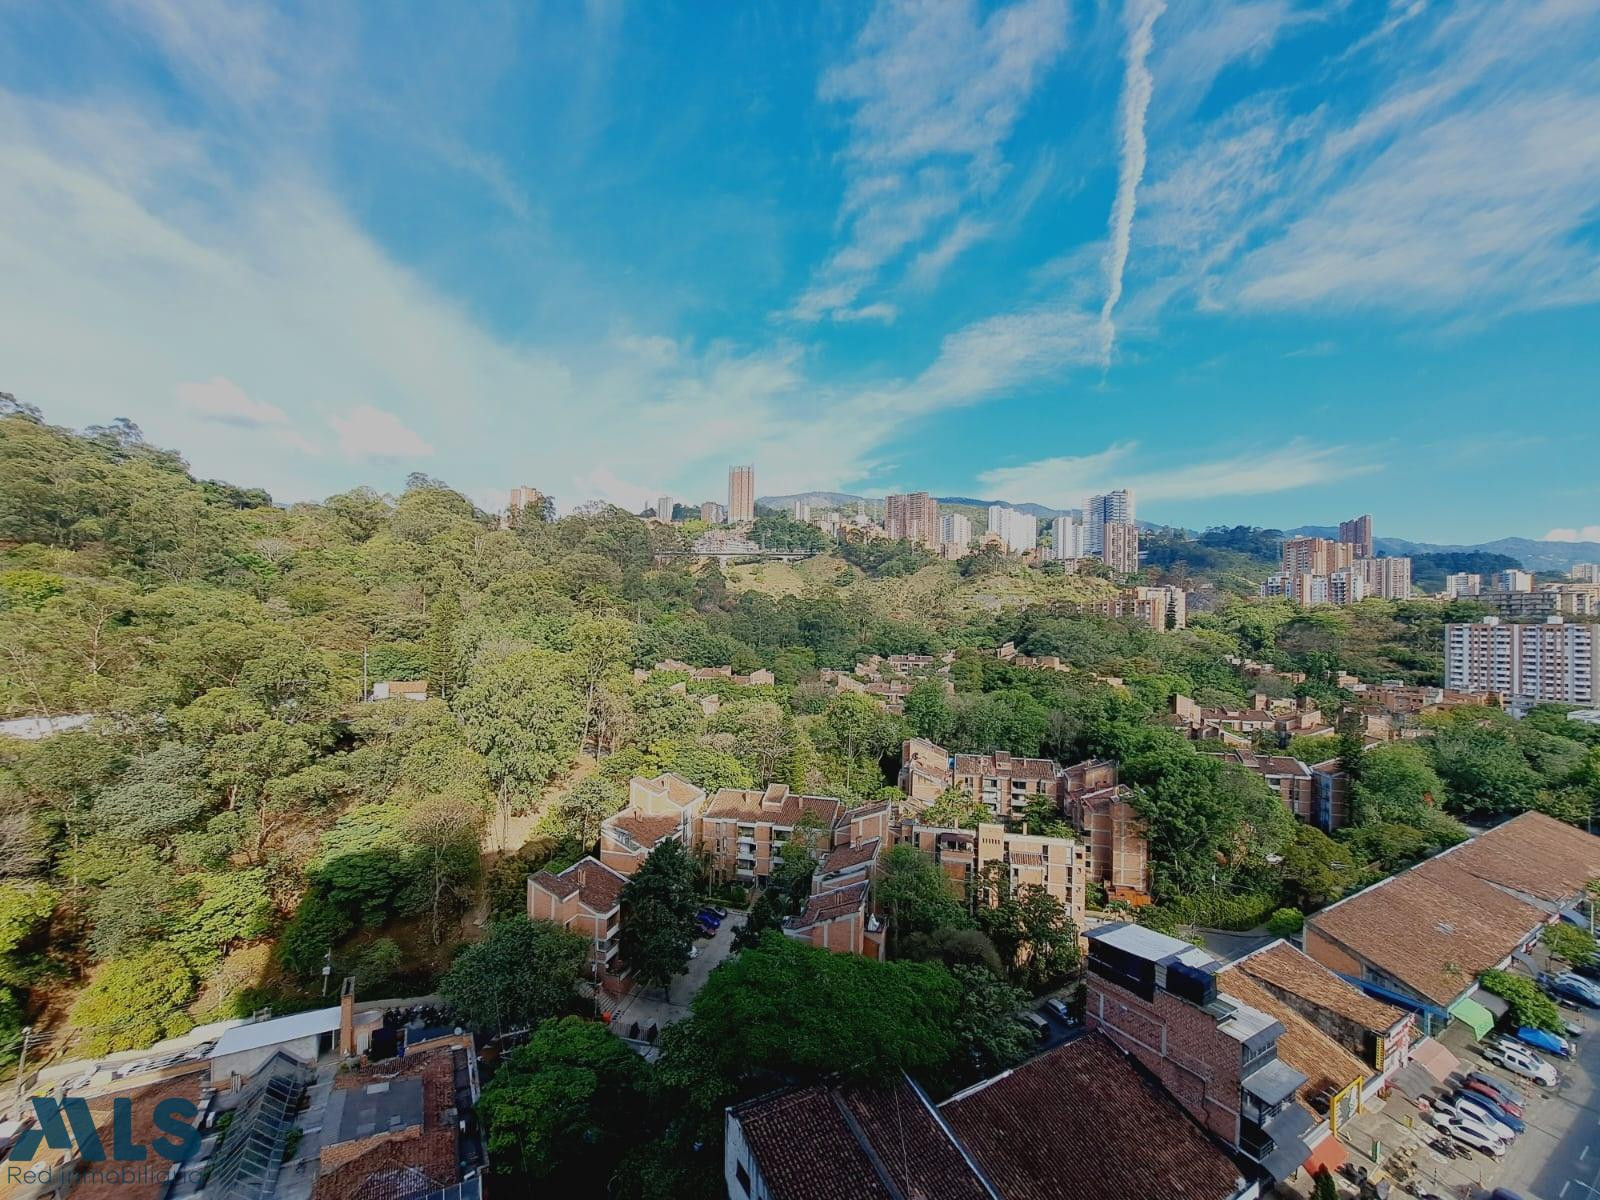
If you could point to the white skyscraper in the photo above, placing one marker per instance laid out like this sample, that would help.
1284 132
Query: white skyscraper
1017 531
1112 508
664 506
955 534
1067 538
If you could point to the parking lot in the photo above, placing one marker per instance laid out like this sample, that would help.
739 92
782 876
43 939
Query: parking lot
662 1006
1557 1157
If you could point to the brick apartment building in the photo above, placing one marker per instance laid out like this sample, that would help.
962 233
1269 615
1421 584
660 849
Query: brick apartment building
1157 998
742 831
587 899
912 517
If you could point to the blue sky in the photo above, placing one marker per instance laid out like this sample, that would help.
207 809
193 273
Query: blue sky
1263 261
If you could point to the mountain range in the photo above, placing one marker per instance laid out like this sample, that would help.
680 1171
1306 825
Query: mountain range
1534 555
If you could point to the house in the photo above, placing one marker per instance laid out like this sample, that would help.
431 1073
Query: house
587 899
1376 1032
303 1037
1160 1000
742 831
1036 1132
403 1127
400 689
840 919
1238 727
1419 939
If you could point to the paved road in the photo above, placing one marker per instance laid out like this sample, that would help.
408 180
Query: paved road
1558 1158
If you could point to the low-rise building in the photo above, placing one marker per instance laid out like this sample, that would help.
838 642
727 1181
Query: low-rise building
1004 783
742 831
400 1127
1159 999
587 899
1419 939
1376 1032
1290 778
400 689
1021 1135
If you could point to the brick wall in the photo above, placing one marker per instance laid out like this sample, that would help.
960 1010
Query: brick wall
1179 1043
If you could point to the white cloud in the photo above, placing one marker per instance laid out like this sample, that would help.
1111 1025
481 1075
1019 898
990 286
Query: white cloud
371 433
1588 533
1064 481
221 399
1463 185
1141 18
936 91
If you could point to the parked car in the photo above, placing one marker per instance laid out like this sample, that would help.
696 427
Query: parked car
1469 1133
1059 1008
1589 971
1493 1111
1040 1027
709 917
1571 987
1521 1061
701 929
1468 1111
1498 1090
718 909
1548 1042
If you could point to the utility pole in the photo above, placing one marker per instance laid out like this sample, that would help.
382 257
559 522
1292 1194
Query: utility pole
363 672
22 1063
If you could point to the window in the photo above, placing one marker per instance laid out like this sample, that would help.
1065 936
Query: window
743 1177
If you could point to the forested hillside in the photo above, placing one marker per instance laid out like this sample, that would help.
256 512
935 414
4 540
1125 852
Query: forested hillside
235 814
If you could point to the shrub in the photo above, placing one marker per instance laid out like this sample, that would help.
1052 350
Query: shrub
1529 1006
1286 922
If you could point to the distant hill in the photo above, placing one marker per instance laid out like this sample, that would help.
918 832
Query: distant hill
819 499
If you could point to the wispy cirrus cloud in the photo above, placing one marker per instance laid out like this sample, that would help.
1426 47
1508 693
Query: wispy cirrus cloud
1141 17
935 91
1065 480
1463 185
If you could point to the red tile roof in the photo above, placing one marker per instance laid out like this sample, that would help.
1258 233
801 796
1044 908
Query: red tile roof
856 1143
599 888
143 1131
1083 1122
1289 972
752 808
647 831
396 1168
846 857
831 905
1015 768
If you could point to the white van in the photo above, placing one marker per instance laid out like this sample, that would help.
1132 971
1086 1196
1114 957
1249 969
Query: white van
1521 1062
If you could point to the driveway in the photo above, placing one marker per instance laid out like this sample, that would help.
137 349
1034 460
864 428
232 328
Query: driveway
662 1006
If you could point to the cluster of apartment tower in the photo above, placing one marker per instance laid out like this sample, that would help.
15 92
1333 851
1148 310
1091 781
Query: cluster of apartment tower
1316 570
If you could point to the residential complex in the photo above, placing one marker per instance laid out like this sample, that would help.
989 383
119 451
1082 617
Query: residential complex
955 534
1389 578
913 517
1119 543
741 494
1463 583
1112 508
1116 853
1550 661
1309 589
1018 531
800 511
713 513
1510 581
1316 556
1067 539
1357 532
664 507
1584 572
